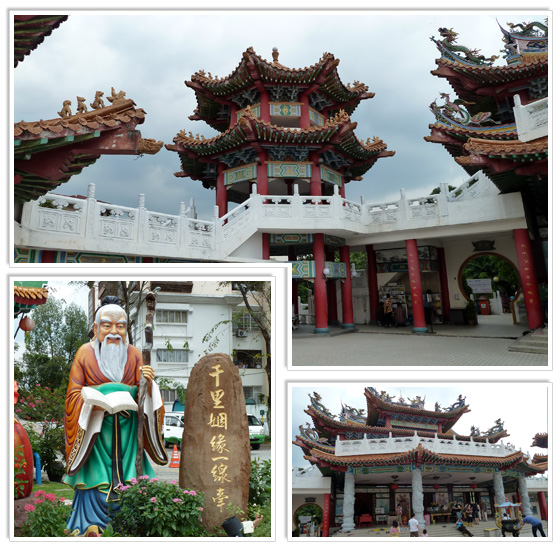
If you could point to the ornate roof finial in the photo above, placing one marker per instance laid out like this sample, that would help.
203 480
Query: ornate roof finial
275 54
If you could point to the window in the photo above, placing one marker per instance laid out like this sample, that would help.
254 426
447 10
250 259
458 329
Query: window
173 421
248 359
252 392
168 396
171 316
244 321
172 356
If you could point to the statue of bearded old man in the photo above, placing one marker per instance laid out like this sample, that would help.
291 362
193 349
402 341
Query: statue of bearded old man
101 446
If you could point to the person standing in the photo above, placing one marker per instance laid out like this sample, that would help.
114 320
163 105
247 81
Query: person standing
395 530
413 525
399 515
484 510
535 524
476 508
388 312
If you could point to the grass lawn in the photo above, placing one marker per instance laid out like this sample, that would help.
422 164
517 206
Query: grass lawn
59 489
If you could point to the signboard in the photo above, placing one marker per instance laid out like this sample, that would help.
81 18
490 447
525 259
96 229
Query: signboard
480 286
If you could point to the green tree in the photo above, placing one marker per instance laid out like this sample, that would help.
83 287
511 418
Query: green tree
490 267
51 346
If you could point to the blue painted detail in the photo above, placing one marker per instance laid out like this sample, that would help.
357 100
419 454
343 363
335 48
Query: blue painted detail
37 459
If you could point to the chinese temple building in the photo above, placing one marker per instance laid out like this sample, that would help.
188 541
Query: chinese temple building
499 124
398 453
283 152
283 132
541 440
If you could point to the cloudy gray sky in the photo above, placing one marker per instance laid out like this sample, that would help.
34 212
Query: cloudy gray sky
149 55
522 407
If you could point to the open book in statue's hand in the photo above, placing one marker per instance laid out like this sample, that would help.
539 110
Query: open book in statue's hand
112 402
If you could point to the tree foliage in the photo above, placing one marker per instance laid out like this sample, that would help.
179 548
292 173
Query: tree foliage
51 346
489 267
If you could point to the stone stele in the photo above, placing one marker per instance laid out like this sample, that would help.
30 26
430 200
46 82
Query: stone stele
215 451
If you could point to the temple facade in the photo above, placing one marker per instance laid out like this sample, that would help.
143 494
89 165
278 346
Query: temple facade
284 152
395 452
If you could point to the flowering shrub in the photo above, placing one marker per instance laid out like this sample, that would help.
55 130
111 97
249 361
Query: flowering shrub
47 516
45 406
260 482
152 508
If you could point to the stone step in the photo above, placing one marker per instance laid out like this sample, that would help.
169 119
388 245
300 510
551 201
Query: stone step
534 342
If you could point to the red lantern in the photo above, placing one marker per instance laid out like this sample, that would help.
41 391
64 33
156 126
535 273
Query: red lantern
394 486
474 486
26 324
436 487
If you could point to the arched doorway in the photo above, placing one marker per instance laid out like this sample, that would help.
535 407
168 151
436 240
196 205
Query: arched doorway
503 276
308 518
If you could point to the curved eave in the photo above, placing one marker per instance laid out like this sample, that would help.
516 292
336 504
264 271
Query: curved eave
253 70
420 455
31 30
49 152
503 131
327 426
30 296
251 131
377 405
531 66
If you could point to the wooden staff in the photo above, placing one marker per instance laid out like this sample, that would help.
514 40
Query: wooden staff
146 360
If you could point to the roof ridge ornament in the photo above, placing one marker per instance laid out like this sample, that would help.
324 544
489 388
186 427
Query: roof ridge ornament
453 51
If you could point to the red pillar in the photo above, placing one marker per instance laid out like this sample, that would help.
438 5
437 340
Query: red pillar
262 189
292 257
415 286
326 514
445 304
347 306
332 304
233 114
265 106
315 181
221 192
304 120
48 256
528 278
543 508
372 284
321 317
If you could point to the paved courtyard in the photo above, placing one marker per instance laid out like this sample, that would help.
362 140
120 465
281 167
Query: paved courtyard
447 530
485 344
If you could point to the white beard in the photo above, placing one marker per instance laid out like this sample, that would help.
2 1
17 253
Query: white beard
111 359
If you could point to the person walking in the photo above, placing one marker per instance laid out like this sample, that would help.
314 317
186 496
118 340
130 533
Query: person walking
535 524
388 312
413 525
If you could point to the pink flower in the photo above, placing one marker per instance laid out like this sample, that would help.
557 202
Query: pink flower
200 509
192 493
32 405
51 497
153 479
38 501
29 508
153 499
134 481
174 482
177 500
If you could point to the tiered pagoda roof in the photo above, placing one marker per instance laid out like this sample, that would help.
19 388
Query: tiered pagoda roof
474 129
318 443
49 152
241 142
352 423
255 73
31 30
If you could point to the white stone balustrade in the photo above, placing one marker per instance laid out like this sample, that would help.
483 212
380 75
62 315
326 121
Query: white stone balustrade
63 223
392 444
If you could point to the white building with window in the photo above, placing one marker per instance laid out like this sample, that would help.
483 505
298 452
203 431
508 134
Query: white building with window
192 319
